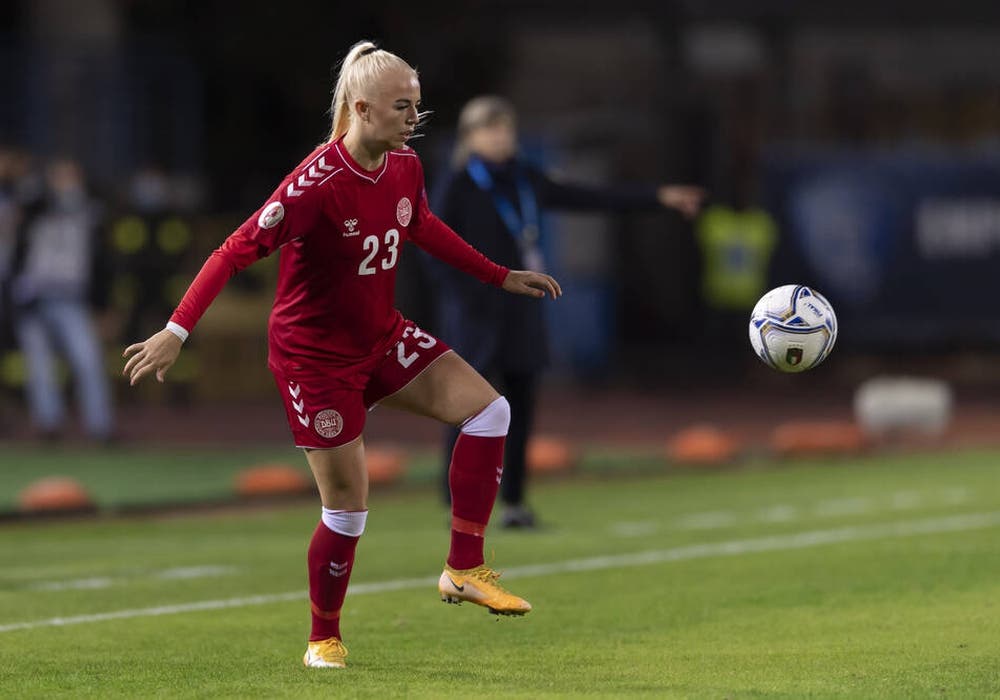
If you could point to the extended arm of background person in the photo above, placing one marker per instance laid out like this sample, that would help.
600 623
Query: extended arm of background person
553 193
686 199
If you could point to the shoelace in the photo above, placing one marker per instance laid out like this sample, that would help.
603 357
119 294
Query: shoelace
487 575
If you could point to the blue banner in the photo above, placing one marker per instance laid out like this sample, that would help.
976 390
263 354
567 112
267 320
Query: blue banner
905 244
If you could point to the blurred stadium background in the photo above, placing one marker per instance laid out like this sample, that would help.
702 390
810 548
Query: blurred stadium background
853 149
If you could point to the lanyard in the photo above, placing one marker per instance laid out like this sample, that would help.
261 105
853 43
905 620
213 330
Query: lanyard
525 226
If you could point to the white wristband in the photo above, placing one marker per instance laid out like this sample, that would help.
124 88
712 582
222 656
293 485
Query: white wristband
177 330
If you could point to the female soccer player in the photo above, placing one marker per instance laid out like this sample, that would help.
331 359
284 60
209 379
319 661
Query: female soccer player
337 346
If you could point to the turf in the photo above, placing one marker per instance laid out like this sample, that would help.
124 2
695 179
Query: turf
123 478
870 578
132 476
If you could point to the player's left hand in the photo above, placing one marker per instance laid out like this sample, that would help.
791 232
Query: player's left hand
532 284
686 199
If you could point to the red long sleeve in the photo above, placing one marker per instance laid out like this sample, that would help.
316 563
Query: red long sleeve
204 288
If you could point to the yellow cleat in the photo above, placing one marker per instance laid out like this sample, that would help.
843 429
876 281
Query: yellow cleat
479 586
326 653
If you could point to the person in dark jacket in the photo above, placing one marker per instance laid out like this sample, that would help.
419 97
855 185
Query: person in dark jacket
496 200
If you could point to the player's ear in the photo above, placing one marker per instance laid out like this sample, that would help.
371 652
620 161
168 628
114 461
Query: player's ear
363 110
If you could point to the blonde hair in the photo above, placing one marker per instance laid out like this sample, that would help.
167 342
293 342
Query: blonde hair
362 66
484 110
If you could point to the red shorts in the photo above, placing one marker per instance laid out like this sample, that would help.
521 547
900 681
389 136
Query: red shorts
326 407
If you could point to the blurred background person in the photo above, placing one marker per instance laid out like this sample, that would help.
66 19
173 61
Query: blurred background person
737 236
496 199
54 281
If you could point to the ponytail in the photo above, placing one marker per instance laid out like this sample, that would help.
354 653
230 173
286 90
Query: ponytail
361 66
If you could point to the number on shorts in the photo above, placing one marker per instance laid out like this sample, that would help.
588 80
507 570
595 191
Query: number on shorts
404 359
424 341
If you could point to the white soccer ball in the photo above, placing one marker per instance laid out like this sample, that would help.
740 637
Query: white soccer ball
793 328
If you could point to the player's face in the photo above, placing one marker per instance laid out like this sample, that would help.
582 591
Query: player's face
393 111
495 142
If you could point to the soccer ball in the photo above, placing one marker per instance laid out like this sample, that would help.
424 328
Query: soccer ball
793 328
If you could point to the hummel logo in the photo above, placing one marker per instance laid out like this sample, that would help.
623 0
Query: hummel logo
338 570
457 587
300 405
351 224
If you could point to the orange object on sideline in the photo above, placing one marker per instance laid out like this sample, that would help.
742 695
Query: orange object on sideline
386 465
703 445
272 480
548 453
55 493
817 438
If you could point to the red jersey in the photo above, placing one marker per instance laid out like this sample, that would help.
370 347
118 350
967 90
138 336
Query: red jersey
340 229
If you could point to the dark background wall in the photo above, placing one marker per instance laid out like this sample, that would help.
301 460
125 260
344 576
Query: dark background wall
227 96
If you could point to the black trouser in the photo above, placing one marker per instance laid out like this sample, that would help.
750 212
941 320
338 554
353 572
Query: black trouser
519 388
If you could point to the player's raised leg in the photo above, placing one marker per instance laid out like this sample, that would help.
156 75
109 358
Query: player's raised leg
343 485
452 391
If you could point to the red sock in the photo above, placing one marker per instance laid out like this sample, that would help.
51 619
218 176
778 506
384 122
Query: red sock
331 558
474 478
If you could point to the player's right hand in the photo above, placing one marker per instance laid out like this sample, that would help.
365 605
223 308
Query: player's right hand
155 354
532 284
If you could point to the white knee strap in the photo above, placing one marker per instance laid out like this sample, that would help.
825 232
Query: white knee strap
492 421
345 522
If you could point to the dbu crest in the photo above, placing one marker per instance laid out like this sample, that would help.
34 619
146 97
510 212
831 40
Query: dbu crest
328 423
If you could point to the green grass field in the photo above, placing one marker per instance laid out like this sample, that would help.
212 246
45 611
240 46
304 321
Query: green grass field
870 578
130 478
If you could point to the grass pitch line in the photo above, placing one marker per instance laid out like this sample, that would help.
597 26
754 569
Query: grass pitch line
772 543
784 513
707 521
176 574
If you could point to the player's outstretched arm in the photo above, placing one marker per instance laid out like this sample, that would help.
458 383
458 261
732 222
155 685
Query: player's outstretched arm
532 284
155 354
